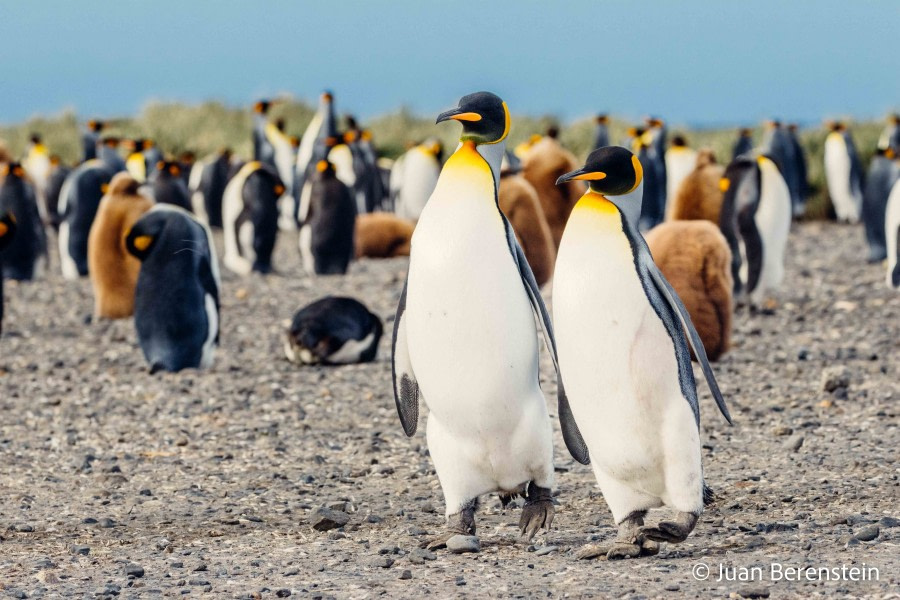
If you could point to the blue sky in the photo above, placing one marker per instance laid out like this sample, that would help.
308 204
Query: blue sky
714 62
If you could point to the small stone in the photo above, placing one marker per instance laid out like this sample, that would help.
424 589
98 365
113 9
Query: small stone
89 521
753 592
546 550
420 555
835 377
672 587
779 431
283 593
134 571
406 574
867 534
162 544
291 572
107 523
201 567
24 528
460 580
145 492
325 519
80 550
417 531
794 442
889 522
383 562
198 582
461 544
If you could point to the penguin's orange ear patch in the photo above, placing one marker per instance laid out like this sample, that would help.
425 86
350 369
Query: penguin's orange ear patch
174 170
104 187
724 184
279 190
4 169
321 166
3 229
142 242
18 172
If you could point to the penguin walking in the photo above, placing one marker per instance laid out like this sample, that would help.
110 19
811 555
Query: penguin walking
465 340
415 176
333 331
169 187
7 232
639 413
25 257
250 218
883 172
892 237
755 219
207 187
176 305
78 201
680 162
843 173
328 223
113 270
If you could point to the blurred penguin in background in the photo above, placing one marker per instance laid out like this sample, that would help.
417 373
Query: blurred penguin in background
263 150
312 149
843 173
137 164
108 152
699 197
250 218
328 223
58 174
657 139
519 202
744 143
890 137
801 167
883 173
207 186
777 145
90 139
414 177
680 161
366 165
25 257
383 235
522 149
37 166
601 131
78 201
652 209
545 162
169 186
7 232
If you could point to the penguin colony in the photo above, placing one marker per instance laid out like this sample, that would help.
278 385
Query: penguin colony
483 232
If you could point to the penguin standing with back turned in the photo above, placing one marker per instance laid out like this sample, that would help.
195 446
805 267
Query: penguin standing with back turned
465 339
639 412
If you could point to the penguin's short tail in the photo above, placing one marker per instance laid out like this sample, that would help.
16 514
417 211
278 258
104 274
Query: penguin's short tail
708 495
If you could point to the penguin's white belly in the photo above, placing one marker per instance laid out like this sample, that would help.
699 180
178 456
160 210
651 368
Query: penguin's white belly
892 236
419 178
837 176
773 220
618 364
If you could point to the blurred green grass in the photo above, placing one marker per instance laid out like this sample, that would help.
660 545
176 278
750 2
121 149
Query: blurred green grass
207 127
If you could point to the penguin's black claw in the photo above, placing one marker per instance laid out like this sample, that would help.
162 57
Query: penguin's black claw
538 510
622 550
673 532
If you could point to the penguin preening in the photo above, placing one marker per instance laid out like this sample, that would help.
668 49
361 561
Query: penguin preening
680 162
250 218
755 219
169 186
78 201
25 256
883 172
113 270
699 195
328 223
333 331
542 165
176 305
207 187
843 173
892 237
414 177
382 235
7 232
465 339
639 413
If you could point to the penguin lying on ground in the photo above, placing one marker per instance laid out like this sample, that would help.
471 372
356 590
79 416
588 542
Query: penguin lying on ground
113 270
694 257
383 235
25 257
168 185
542 165
207 187
699 195
414 176
328 222
250 218
883 172
7 232
333 331
843 173
176 305
465 339
519 203
892 237
756 220
638 412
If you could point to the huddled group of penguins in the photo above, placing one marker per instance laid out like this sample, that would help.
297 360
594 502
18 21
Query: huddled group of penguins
484 231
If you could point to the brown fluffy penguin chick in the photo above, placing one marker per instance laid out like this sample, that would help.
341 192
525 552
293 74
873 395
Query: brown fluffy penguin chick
382 235
519 202
699 197
113 270
542 166
694 257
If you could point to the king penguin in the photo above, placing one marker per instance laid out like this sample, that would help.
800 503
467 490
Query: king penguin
843 173
312 149
601 131
90 138
7 232
883 172
639 412
26 256
744 143
890 137
680 161
415 176
892 237
37 165
465 339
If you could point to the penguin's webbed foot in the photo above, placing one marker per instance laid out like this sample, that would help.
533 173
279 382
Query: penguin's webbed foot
673 532
460 524
538 510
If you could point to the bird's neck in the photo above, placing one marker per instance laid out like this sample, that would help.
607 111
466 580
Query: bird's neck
491 153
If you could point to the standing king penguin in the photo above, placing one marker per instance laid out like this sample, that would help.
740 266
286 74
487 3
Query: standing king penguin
843 173
883 172
7 231
465 339
892 237
639 411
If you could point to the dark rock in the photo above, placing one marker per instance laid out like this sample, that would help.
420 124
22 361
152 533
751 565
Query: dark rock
134 570
282 593
753 592
383 562
867 534
80 550
325 519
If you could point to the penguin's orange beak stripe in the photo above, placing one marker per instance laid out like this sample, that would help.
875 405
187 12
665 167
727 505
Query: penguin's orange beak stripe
469 116
591 176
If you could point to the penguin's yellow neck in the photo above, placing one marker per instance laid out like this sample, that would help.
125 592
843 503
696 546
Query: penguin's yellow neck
596 203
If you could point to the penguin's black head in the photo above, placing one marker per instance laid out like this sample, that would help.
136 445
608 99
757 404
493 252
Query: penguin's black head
12 170
552 132
792 127
262 107
169 166
136 145
654 122
325 169
7 228
836 126
745 132
611 170
139 241
484 116
110 141
351 122
602 119
35 138
280 124
96 126
679 142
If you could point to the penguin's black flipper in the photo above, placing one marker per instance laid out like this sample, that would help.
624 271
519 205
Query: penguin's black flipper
671 297
406 388
571 434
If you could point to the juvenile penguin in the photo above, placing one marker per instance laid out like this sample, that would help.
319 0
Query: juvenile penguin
756 220
843 173
465 340
519 203
113 270
78 201
25 257
542 166
207 187
383 235
333 331
892 237
699 196
7 232
328 223
176 305
168 185
250 218
680 162
883 172
415 177
638 412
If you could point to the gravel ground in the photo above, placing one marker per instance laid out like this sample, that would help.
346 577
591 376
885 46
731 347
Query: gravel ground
115 482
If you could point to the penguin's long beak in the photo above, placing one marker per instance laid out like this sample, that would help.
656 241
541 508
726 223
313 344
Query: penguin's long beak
457 114
581 175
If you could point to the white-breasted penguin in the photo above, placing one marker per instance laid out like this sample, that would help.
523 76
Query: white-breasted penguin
312 149
843 173
415 176
207 183
333 331
883 172
638 411
7 233
78 201
465 340
755 219
37 165
892 237
176 304
25 257
250 218
680 162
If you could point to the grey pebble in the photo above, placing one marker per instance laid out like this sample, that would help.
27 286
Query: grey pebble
753 592
461 544
406 574
283 593
889 522
867 534
383 562
325 519
134 570
546 550
794 443
419 555
834 378
80 550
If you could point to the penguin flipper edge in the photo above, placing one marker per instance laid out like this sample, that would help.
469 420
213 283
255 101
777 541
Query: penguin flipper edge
571 434
665 289
406 388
